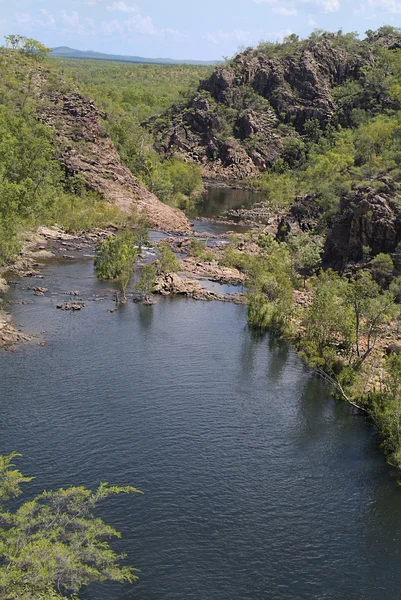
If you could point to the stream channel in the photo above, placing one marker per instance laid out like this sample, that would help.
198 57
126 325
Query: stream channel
257 484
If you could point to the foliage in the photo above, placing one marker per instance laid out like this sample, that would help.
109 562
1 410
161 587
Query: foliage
53 545
271 289
129 94
34 188
167 261
114 260
27 46
146 281
329 323
382 268
305 252
386 409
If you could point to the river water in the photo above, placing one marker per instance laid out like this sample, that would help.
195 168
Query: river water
257 484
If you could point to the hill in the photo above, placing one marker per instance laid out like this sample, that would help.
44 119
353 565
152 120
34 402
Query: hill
316 124
66 52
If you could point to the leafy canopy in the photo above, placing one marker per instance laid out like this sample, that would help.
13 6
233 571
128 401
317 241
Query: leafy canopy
53 545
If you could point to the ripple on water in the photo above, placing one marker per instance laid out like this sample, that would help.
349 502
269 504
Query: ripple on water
257 484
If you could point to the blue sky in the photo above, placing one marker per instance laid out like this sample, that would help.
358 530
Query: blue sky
207 30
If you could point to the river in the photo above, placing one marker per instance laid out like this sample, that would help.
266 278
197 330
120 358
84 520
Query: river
257 484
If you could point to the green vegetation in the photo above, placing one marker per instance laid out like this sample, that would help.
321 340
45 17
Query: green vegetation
338 324
115 258
167 261
54 545
129 94
33 185
358 147
34 189
146 281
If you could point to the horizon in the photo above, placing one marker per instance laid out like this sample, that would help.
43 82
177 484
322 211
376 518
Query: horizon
206 32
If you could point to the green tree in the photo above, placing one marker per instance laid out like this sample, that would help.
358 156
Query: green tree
167 261
306 253
386 409
270 287
142 233
382 268
27 45
115 258
329 324
146 281
54 545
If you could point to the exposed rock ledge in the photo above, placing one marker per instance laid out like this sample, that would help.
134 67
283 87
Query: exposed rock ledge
87 150
172 284
3 286
213 271
9 335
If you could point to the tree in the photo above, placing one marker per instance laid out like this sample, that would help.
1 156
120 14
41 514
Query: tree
27 45
167 262
386 408
146 282
329 324
114 260
53 546
382 268
270 288
306 253
142 233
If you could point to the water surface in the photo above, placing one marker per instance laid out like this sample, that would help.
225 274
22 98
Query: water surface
257 485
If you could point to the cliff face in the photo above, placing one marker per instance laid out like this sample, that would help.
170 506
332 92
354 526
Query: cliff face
85 149
368 219
239 122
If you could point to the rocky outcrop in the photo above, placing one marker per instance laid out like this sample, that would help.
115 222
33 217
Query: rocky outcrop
171 284
212 271
3 286
9 335
367 219
239 121
87 151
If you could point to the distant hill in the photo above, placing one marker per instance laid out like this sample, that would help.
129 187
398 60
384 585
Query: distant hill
66 52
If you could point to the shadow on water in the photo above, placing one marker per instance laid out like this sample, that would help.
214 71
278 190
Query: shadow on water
146 317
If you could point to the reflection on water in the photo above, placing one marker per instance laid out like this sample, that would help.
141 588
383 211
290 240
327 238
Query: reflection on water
218 200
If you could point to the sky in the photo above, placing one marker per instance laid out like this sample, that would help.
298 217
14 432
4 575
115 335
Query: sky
186 29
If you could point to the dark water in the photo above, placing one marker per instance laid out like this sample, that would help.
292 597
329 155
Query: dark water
258 486
218 200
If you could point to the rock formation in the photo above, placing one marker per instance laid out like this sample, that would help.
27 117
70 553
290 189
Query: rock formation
242 117
85 149
368 219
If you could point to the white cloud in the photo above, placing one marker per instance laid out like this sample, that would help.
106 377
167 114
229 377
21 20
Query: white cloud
122 7
23 18
111 27
140 24
72 20
48 20
281 6
73 23
329 5
244 37
3 21
391 6
238 35
285 12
